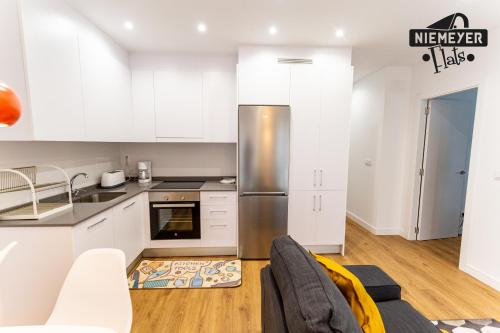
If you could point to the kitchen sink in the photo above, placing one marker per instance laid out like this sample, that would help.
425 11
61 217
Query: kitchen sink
98 197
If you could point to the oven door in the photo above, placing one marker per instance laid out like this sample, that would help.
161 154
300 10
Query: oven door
175 220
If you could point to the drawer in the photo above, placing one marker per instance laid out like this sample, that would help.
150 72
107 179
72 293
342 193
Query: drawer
218 212
96 232
218 198
218 232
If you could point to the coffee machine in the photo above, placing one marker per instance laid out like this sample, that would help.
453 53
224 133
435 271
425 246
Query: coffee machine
144 172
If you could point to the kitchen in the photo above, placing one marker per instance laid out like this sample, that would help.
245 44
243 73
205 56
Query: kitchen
92 107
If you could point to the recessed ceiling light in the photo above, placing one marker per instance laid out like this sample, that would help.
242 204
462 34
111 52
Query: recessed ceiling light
202 27
339 33
273 30
128 25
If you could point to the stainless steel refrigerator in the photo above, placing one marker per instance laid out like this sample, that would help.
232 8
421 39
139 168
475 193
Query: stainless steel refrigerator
263 163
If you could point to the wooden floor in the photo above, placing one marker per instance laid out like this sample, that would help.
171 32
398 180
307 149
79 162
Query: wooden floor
427 272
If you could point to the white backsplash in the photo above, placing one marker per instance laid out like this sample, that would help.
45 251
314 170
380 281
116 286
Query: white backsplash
73 157
183 159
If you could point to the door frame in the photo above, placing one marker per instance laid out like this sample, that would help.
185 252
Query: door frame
422 136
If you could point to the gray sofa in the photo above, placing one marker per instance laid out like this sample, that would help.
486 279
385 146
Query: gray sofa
297 296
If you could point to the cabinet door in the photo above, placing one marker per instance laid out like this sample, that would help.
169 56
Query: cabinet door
96 232
12 69
143 106
129 228
336 90
178 105
264 84
106 87
330 223
219 106
302 211
305 101
53 70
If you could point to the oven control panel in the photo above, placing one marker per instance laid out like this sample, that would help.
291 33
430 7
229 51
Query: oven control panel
173 196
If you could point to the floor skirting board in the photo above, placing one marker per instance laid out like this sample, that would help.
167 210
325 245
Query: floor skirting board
376 231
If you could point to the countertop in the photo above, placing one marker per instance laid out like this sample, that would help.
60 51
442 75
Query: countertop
83 211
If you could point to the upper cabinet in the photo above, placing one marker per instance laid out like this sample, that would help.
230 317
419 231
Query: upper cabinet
184 106
267 84
74 82
178 105
219 106
106 85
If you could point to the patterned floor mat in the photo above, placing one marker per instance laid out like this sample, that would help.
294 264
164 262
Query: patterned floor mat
468 326
172 274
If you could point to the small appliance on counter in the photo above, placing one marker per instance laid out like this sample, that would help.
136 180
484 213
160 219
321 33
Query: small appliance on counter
144 172
113 179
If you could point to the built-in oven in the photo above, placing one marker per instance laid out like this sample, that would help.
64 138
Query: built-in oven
174 215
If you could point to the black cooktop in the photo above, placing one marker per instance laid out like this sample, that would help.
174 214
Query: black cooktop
179 186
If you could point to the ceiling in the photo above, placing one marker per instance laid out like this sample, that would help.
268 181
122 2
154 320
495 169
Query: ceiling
377 30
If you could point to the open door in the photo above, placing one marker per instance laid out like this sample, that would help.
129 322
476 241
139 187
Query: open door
447 145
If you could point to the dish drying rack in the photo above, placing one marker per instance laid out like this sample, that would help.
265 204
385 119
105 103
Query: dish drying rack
25 179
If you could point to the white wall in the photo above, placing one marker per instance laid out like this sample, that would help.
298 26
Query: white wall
183 159
73 157
380 106
480 249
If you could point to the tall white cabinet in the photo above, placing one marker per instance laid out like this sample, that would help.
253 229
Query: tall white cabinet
319 96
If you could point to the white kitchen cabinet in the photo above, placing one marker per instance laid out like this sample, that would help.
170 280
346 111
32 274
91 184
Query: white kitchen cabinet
96 232
317 218
143 106
219 107
264 84
53 69
129 228
320 111
305 101
218 219
106 82
301 216
12 69
330 217
336 90
178 105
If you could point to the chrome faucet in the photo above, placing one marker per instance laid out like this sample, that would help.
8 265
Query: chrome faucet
73 191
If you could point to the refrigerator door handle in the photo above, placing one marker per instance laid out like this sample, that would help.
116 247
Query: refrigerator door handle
314 203
314 178
246 194
321 177
320 202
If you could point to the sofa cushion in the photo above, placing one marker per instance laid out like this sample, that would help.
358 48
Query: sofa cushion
362 305
399 316
380 286
272 312
311 300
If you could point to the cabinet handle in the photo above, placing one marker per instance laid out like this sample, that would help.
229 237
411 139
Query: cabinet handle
314 178
320 202
321 178
314 203
95 224
218 211
130 205
218 225
217 196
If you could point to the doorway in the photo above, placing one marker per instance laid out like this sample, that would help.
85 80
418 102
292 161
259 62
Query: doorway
449 124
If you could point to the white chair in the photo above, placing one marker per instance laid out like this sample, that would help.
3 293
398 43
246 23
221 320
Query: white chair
3 254
95 293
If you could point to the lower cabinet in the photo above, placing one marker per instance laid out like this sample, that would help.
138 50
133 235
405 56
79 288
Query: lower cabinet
120 227
218 219
317 218
96 232
129 227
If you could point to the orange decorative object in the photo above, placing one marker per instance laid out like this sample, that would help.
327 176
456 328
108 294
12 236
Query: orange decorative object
10 106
